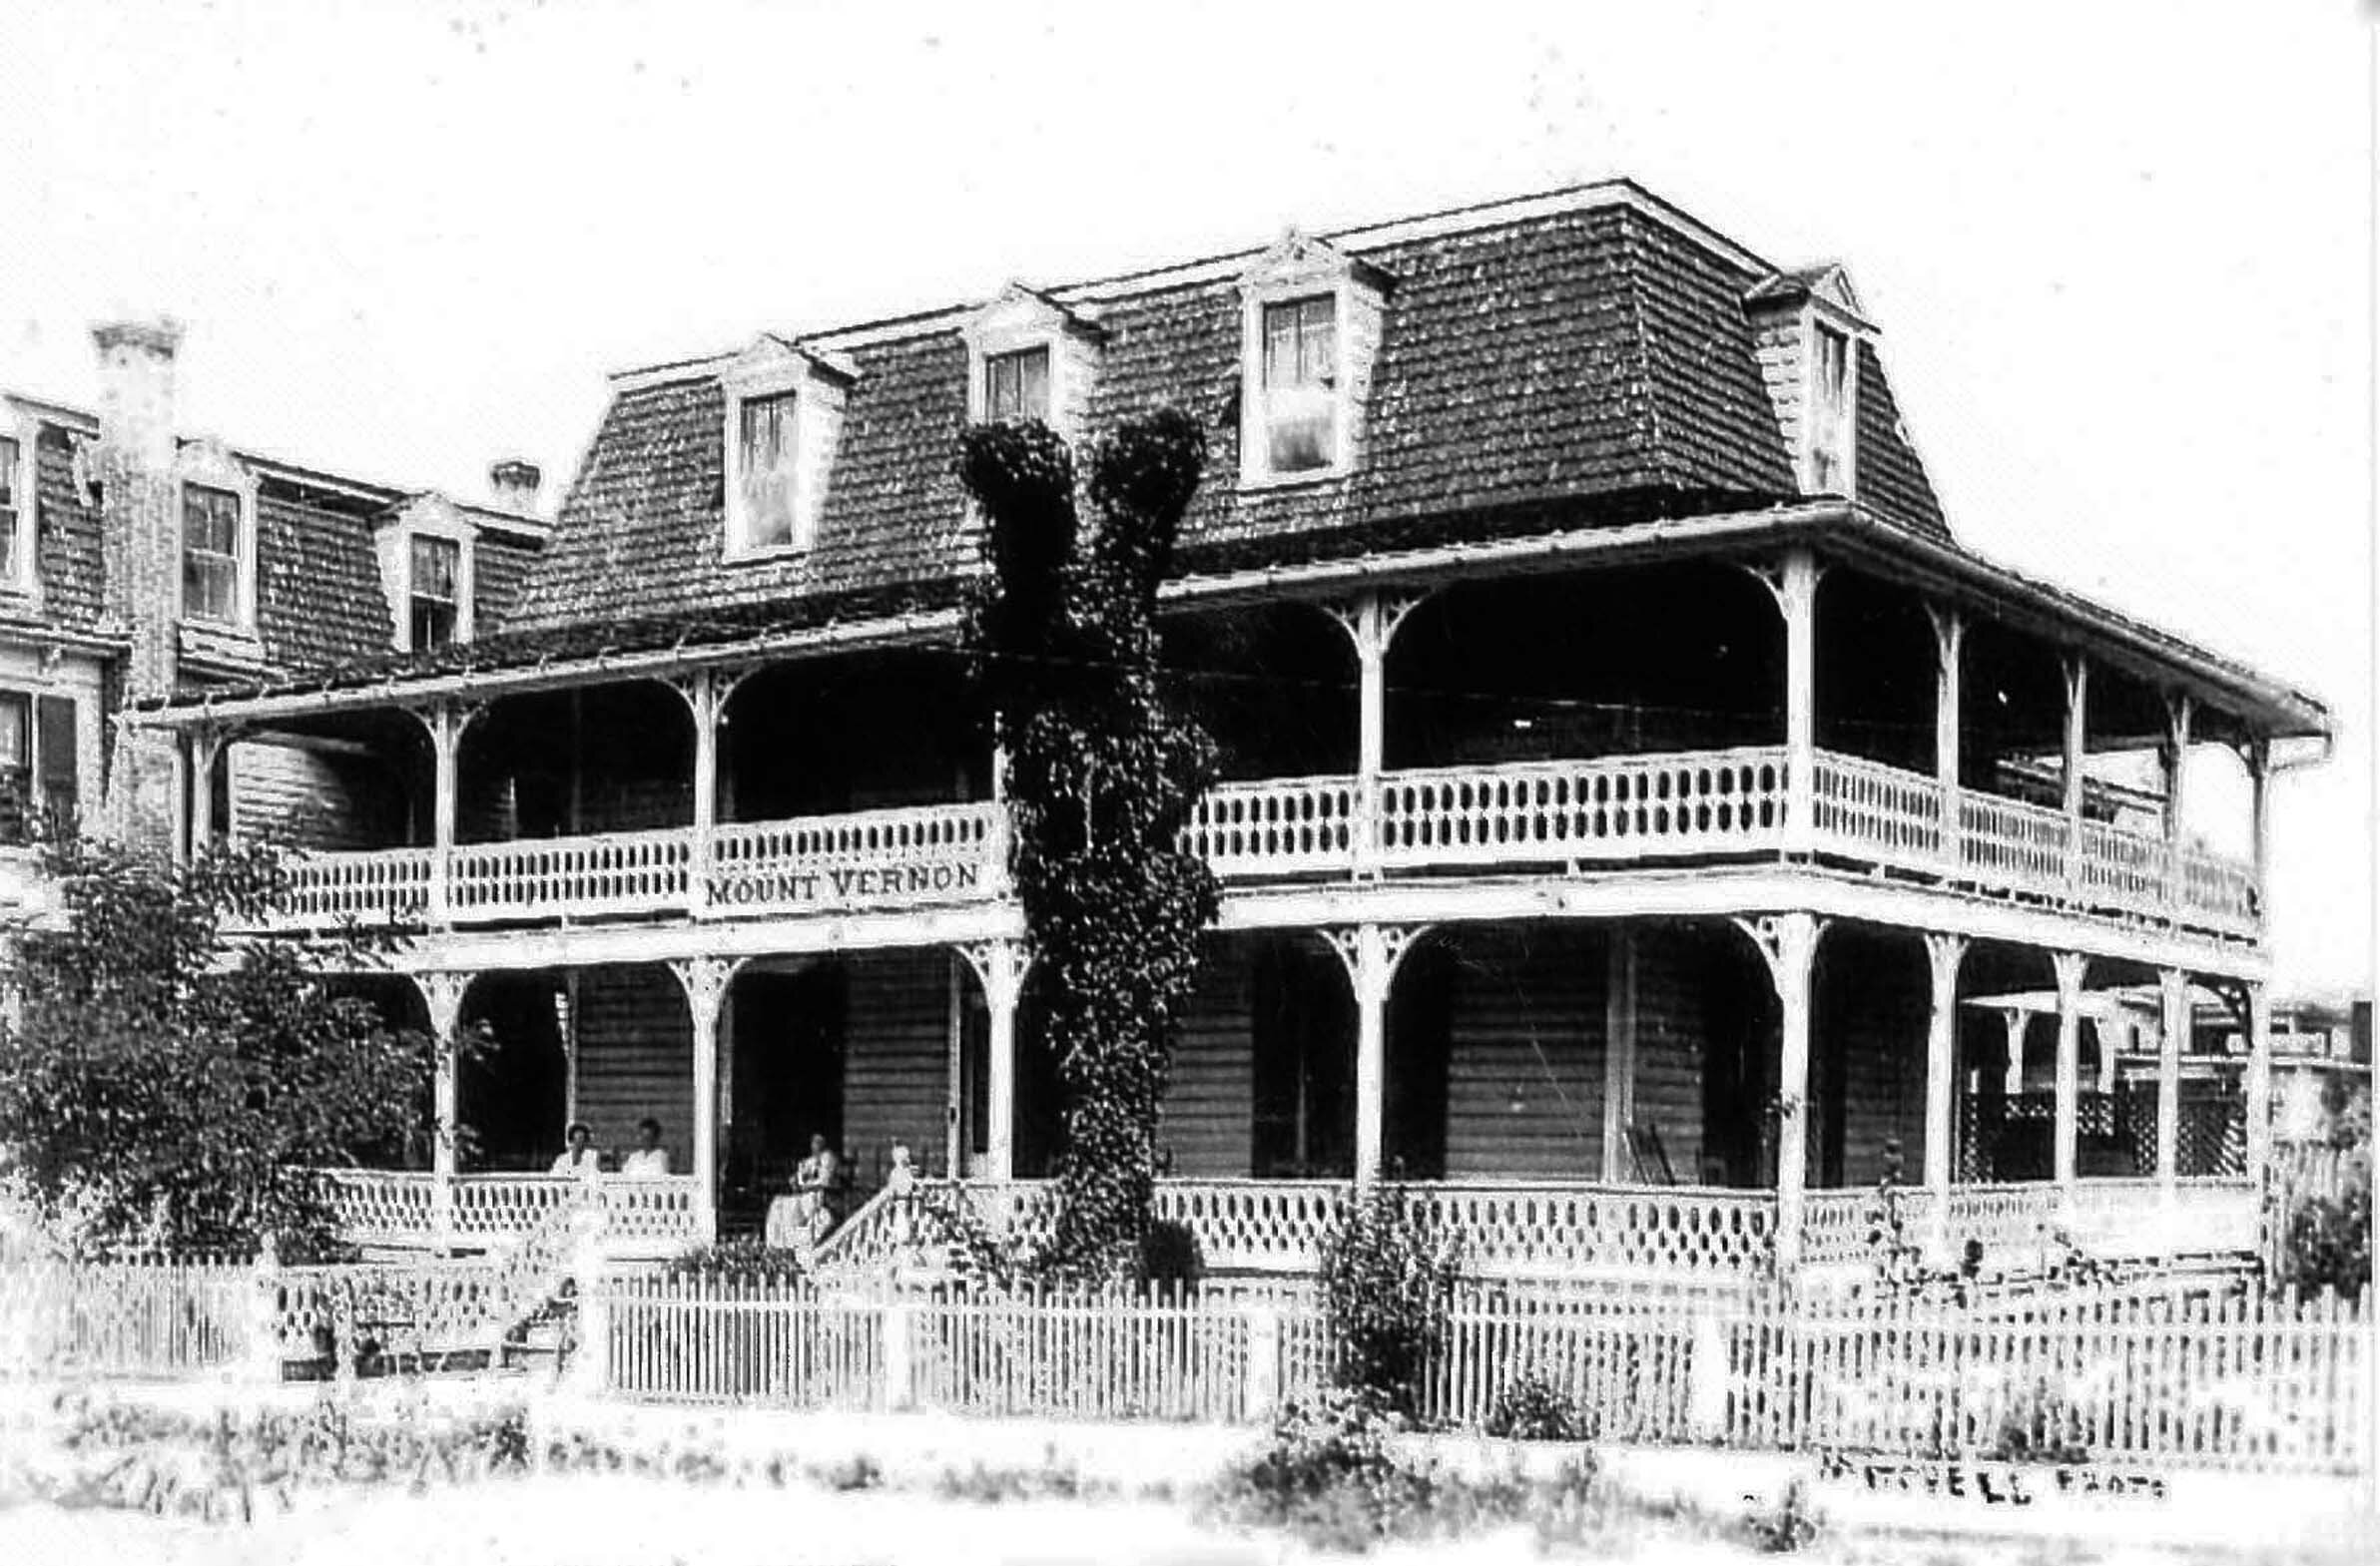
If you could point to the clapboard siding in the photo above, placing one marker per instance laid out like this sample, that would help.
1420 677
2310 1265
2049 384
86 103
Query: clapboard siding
310 799
896 1058
1524 1065
1210 1106
1871 1028
1671 1030
635 1058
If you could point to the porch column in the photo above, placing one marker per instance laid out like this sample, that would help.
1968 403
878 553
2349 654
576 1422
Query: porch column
2173 995
446 721
2071 967
1950 636
1000 967
1796 587
2258 756
2018 1023
2112 1034
2077 704
443 996
204 747
1619 1053
1372 953
1944 954
2173 761
1371 624
705 692
2259 1082
706 982
1789 943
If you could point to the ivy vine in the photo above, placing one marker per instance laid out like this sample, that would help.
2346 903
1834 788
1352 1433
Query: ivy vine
1102 771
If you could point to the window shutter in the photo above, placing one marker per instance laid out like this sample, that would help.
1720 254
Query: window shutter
60 778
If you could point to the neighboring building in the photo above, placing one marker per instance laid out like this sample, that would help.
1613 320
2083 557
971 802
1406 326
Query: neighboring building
138 561
1628 773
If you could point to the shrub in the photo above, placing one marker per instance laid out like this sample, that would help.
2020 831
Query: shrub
1387 1280
1169 1257
1533 1408
1781 1529
2327 1240
739 1261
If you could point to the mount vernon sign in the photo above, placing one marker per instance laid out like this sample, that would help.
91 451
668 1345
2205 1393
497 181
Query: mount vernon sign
961 876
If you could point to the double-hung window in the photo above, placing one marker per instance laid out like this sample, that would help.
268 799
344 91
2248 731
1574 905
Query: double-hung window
210 553
764 470
435 592
1017 386
16 509
1300 383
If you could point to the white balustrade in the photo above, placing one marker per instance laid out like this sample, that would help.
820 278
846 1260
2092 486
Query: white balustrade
1614 809
1253 1225
1512 1229
1617 810
378 1203
603 872
1277 828
402 1206
869 859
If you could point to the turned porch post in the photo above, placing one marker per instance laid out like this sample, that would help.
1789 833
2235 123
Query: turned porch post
204 745
1372 953
1000 967
1371 624
2077 704
446 721
2173 761
443 996
2173 996
1796 587
2258 756
706 982
2070 969
1789 943
705 692
2259 1082
1944 954
2018 1023
1950 636
1619 1053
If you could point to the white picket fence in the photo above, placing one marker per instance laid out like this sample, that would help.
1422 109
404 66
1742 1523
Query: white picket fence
124 1318
2258 1384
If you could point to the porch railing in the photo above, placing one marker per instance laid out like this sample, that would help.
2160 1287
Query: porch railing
405 1208
1683 807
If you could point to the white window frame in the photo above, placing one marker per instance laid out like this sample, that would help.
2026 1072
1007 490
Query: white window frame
1020 321
1819 320
979 383
207 465
466 581
753 378
23 576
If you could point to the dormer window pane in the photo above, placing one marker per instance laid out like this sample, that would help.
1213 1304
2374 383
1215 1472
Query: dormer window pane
1017 386
1300 379
436 593
210 553
765 459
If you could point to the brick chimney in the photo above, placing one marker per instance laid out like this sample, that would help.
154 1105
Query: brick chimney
140 546
514 484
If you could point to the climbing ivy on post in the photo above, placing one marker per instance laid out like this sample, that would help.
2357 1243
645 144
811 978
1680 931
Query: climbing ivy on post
1103 769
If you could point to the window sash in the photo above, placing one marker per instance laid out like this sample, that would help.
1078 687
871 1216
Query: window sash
1017 386
1300 373
437 569
210 553
10 455
765 459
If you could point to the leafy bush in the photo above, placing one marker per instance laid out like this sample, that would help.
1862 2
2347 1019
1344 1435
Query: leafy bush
1169 1256
2327 1240
1788 1526
1533 1408
1387 1282
737 1260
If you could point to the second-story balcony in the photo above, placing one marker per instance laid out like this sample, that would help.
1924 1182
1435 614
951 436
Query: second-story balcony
1731 806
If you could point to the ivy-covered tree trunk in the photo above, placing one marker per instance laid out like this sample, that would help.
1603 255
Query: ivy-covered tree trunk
1103 771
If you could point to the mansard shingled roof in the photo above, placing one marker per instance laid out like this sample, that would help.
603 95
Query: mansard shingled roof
1570 362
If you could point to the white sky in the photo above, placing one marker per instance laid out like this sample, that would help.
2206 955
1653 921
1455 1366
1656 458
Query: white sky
2121 253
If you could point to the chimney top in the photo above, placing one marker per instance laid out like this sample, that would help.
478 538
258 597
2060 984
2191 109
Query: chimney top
161 334
515 485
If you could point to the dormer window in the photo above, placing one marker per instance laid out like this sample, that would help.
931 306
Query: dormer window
784 416
1829 408
211 553
16 515
1310 328
436 601
1301 384
764 453
1017 386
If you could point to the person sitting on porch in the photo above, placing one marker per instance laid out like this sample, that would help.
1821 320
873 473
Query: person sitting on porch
580 1157
809 1173
650 1161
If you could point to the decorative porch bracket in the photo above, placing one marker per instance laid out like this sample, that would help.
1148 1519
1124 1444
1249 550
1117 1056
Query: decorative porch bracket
442 993
2070 969
1000 967
1371 622
1950 639
1792 580
203 747
446 721
1372 954
706 982
705 692
1944 956
1788 943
